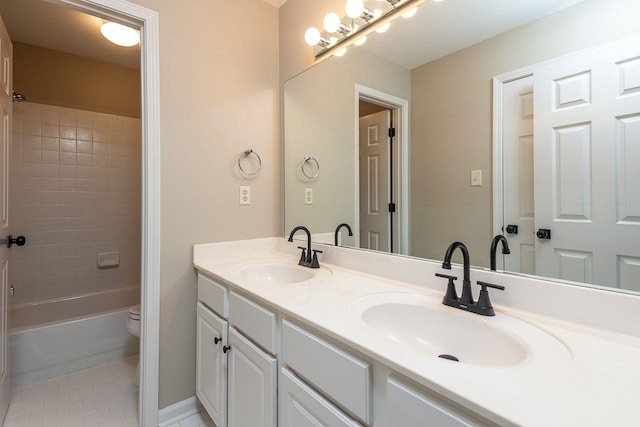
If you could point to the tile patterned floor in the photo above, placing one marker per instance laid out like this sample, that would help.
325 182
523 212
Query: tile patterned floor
102 396
197 420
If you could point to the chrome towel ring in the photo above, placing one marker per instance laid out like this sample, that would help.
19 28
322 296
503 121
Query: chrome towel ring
248 154
308 160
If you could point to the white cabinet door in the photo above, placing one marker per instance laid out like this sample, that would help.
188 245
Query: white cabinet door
211 365
252 384
301 406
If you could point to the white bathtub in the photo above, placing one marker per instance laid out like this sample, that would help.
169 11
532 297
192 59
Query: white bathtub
44 345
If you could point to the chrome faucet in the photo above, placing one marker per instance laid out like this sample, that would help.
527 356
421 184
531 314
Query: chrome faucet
338 231
306 259
483 305
494 247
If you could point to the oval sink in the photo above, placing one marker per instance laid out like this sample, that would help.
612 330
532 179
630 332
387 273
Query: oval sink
421 323
276 273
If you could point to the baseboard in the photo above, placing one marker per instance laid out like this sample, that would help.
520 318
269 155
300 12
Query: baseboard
178 411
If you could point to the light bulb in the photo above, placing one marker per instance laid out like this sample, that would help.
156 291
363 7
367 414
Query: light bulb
312 36
354 8
341 52
384 28
360 41
410 13
331 22
119 34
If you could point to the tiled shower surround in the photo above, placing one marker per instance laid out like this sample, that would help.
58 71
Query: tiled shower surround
74 192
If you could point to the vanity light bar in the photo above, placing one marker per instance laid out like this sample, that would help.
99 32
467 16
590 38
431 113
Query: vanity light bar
326 44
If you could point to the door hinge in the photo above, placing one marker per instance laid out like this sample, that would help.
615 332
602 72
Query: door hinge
392 132
392 207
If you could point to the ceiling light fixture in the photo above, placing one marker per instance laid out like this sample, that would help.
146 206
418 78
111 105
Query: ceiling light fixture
120 34
340 33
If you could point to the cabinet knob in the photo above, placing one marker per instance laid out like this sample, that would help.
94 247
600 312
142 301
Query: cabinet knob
226 348
216 340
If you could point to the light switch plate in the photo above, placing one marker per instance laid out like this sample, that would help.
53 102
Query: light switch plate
308 196
245 195
476 178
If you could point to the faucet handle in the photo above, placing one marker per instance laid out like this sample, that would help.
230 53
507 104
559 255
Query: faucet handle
484 303
314 262
303 256
451 294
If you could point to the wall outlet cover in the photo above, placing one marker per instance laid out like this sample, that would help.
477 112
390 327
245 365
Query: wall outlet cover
308 196
245 195
476 178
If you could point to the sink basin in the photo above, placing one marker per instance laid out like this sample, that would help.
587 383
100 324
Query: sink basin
420 323
278 272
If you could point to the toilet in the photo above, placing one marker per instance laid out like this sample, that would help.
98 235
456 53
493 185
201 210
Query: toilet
133 322
133 326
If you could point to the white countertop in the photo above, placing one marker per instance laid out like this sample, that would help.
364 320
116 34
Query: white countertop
595 382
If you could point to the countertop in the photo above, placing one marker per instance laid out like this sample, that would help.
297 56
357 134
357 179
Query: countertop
593 382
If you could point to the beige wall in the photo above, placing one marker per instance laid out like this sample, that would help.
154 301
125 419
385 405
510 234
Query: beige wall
219 96
458 125
50 77
324 129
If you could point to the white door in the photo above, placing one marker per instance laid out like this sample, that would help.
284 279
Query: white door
518 175
252 384
211 364
6 89
375 225
587 166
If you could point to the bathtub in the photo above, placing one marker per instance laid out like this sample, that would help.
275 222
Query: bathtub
46 343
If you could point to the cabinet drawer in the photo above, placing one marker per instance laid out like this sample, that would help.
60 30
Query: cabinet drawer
213 295
338 375
301 405
415 409
256 322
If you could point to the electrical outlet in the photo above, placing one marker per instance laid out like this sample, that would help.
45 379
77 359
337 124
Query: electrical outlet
245 195
476 178
308 196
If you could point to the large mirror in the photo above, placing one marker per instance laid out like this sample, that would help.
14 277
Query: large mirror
506 113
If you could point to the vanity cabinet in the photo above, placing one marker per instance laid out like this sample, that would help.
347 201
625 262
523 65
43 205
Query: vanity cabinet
235 379
255 369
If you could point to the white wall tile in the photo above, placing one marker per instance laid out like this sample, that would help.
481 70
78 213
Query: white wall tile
75 192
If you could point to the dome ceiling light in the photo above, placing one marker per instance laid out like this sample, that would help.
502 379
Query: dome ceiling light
120 34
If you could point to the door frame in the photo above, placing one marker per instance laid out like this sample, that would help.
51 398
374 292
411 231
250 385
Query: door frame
498 146
148 20
400 116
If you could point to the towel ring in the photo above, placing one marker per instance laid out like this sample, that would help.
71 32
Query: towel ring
245 154
308 160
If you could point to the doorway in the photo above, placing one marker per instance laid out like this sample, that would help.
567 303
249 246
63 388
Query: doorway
147 20
381 143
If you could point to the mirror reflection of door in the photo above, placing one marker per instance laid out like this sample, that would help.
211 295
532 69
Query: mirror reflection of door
586 128
6 88
375 181
517 155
